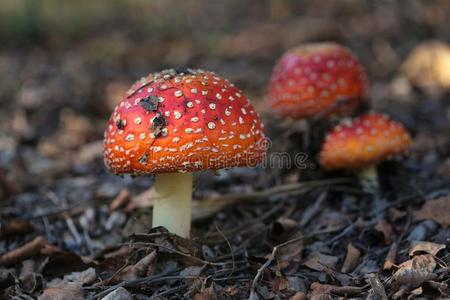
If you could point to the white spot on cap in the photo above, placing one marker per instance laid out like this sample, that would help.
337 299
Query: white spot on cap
212 106
130 137
138 120
178 93
177 114
189 104
194 119
211 125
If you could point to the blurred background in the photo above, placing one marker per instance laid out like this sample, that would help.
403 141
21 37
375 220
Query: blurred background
65 64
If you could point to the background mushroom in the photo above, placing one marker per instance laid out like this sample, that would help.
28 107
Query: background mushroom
428 65
176 122
363 142
316 80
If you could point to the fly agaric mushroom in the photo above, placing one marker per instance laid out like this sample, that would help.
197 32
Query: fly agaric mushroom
175 122
317 80
363 142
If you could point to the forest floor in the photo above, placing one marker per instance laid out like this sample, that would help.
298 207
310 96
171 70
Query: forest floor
71 230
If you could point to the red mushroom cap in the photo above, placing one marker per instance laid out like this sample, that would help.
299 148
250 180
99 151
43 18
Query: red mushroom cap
183 120
317 78
363 141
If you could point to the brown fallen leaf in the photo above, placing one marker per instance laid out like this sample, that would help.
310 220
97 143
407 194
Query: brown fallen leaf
29 249
436 210
386 229
15 227
144 199
412 273
351 259
62 293
318 261
298 296
206 294
142 268
390 257
63 263
319 289
120 200
283 225
426 247
291 253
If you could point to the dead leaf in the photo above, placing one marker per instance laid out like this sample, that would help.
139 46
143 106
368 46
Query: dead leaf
436 210
386 229
283 225
298 296
318 261
62 293
29 249
278 284
426 247
390 257
395 214
291 253
81 278
120 200
319 290
63 263
15 227
412 273
144 199
142 268
351 259
206 294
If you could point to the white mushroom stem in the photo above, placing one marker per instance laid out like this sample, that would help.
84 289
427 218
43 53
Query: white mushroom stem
172 207
369 178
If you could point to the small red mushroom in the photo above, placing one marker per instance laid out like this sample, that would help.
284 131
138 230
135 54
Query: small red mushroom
317 80
363 142
175 122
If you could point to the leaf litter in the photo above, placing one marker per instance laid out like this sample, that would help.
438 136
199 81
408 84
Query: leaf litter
69 230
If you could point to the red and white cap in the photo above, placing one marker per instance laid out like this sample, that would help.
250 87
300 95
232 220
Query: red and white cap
183 120
363 141
315 79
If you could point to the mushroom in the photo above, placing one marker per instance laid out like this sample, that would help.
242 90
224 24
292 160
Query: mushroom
363 142
428 65
317 80
175 122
